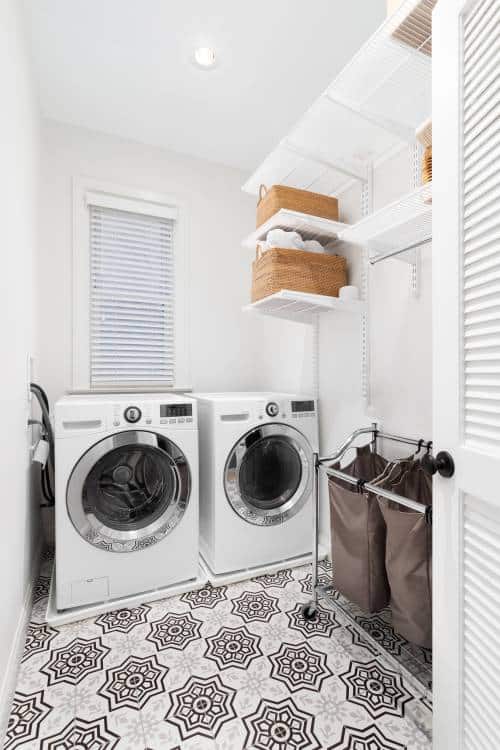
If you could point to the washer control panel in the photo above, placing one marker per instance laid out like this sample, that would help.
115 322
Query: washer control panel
150 412
132 414
176 413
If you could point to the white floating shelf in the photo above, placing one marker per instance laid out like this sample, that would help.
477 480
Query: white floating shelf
302 307
309 227
403 224
373 107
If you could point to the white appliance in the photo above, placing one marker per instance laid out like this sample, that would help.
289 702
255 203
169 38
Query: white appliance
126 495
256 472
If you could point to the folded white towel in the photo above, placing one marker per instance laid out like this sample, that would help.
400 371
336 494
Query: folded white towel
313 246
282 238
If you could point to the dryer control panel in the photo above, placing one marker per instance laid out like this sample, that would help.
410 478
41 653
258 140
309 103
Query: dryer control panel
301 409
287 408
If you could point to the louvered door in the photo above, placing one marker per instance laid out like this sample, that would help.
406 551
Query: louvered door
466 328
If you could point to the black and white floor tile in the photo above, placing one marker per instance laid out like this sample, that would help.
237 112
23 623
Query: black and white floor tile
414 659
229 668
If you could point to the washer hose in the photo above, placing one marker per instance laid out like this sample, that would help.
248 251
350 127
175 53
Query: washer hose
47 472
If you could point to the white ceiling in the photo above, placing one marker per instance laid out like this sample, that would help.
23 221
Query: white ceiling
123 67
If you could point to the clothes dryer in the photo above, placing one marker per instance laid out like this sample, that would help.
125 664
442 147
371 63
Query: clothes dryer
256 475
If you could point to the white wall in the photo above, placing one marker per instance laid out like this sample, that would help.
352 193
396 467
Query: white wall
221 337
400 341
232 350
400 334
18 232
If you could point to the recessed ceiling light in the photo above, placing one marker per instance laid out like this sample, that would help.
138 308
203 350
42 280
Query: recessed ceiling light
204 57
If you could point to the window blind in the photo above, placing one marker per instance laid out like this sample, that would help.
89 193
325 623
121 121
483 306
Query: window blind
132 298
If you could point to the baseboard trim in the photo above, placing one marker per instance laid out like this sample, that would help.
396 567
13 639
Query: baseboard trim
8 686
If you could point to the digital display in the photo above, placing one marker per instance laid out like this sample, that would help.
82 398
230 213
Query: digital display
176 410
302 406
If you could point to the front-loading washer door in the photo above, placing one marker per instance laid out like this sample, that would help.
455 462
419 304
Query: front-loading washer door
268 474
128 491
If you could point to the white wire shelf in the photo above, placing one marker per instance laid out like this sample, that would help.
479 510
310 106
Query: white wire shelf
309 227
389 79
397 229
302 307
373 107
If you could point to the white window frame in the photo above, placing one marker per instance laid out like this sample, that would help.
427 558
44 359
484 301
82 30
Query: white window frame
142 202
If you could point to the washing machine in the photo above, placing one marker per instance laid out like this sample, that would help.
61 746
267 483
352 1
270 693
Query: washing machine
256 474
126 495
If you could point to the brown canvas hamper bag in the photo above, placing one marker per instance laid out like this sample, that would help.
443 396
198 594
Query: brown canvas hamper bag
358 535
408 558
297 270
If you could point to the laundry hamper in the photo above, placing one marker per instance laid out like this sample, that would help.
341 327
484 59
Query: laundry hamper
293 199
408 558
358 535
298 270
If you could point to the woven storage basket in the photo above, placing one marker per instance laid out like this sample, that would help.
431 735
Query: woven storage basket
298 270
415 29
427 165
423 133
279 196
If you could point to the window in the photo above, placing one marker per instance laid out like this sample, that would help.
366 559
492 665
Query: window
128 291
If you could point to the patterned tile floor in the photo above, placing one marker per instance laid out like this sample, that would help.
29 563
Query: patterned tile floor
417 660
217 669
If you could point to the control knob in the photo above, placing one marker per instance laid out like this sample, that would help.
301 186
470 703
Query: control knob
272 409
132 414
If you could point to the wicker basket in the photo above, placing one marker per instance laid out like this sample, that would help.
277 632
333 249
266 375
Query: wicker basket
279 196
423 133
427 165
415 29
298 270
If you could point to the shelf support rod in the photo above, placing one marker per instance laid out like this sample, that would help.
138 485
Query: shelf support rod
415 276
406 249
366 209
416 160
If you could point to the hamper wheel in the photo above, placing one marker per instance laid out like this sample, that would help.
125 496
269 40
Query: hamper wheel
309 611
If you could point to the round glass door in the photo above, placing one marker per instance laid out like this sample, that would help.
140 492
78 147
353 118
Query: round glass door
267 478
128 491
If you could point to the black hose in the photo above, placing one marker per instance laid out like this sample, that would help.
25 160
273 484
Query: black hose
47 490
46 482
